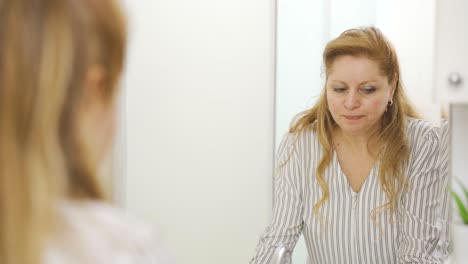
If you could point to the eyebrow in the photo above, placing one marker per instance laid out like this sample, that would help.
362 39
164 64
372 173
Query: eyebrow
371 81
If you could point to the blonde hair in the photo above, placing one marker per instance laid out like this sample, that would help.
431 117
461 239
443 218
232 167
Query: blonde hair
46 48
394 151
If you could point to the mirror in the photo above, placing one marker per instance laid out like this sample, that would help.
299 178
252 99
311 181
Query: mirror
418 30
203 109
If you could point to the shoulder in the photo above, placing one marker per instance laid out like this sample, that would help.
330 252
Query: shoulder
302 136
106 218
419 126
419 131
423 140
299 141
96 232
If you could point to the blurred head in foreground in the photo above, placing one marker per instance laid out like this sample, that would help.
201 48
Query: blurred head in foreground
60 63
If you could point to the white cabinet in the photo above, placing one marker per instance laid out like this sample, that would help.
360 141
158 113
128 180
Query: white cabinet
451 83
451 51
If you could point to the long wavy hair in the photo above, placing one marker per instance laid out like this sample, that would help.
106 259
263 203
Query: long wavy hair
393 149
46 48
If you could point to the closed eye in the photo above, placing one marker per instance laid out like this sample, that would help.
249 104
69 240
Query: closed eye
339 89
368 90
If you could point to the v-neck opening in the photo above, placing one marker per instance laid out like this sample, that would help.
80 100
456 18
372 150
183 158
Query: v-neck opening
343 175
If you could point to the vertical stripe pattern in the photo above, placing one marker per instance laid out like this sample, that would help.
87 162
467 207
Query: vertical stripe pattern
345 232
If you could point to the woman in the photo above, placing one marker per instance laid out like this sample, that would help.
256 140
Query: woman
60 62
358 173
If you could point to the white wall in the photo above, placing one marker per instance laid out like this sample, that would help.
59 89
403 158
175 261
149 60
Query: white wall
345 14
199 102
301 37
410 26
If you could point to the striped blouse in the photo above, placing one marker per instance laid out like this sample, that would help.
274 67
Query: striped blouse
346 232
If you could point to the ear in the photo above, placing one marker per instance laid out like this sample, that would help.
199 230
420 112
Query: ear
94 84
92 105
392 92
393 87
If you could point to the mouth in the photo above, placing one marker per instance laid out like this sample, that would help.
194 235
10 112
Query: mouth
353 117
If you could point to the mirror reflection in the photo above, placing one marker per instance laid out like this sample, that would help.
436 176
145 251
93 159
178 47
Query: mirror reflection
361 165
430 67
233 131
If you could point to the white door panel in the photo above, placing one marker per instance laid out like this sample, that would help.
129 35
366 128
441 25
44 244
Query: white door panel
452 50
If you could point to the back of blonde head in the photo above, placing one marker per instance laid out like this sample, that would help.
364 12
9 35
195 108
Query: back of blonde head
46 47
391 140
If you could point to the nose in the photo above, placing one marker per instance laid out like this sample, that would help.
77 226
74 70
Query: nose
351 100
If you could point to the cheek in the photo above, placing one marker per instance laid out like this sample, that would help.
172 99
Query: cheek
108 124
379 106
333 104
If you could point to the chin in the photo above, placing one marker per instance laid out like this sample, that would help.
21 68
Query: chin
353 128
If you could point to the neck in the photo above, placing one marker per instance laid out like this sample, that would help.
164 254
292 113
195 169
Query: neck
355 142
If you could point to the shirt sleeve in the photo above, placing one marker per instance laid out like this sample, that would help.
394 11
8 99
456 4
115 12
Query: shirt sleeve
444 215
286 225
419 210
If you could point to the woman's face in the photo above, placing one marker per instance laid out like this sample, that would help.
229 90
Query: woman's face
357 94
